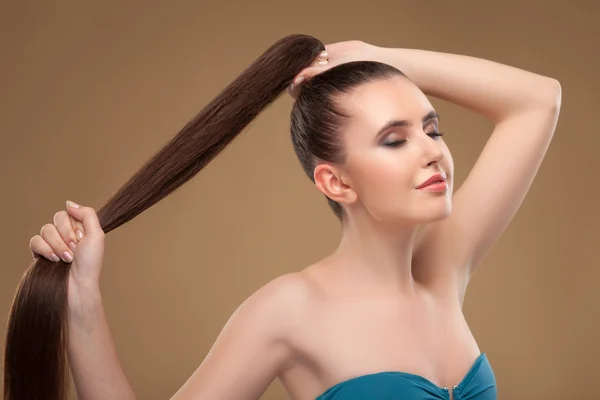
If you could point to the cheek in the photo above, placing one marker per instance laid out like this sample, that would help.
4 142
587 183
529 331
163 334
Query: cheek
383 180
448 164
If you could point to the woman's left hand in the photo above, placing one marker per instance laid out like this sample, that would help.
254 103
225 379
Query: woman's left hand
337 53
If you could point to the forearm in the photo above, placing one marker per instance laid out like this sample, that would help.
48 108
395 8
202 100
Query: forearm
495 90
95 366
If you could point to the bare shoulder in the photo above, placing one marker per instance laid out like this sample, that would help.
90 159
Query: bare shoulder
292 289
253 346
291 286
281 301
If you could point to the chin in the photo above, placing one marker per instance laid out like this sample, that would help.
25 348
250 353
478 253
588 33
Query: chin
437 213
445 213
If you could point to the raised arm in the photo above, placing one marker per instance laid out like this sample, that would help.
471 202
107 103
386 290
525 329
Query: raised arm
524 108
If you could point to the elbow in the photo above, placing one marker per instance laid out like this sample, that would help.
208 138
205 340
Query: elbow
552 95
544 95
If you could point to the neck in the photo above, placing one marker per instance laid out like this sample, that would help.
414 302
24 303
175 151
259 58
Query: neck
376 255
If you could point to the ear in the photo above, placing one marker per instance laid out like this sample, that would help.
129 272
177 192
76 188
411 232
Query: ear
331 181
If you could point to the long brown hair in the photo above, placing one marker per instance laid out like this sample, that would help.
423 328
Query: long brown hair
35 364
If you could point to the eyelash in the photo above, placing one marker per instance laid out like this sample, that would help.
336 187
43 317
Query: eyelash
400 143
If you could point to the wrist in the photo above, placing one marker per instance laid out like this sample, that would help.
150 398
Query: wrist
395 57
83 297
380 54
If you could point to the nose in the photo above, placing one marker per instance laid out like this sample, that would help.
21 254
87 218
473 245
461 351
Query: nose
432 152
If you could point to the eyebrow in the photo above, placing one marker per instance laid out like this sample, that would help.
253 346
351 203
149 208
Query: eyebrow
402 122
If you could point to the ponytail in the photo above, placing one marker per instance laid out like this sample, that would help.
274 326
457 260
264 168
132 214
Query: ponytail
35 360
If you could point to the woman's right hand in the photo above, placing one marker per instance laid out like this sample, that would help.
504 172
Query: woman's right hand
77 238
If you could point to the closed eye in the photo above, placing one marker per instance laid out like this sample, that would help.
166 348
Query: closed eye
401 142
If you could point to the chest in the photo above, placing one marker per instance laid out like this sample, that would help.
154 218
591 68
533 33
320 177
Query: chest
349 339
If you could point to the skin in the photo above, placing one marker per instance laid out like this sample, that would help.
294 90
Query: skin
390 296
377 186
364 293
373 262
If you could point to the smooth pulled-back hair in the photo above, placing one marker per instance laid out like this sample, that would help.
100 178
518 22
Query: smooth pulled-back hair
35 359
317 116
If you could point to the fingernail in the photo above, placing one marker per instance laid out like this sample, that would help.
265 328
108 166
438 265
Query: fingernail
72 204
72 246
79 234
323 54
67 256
323 62
299 80
54 257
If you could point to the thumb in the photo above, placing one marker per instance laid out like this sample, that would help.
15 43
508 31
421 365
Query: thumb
88 217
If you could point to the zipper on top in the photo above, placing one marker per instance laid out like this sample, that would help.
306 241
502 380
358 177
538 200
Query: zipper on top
451 392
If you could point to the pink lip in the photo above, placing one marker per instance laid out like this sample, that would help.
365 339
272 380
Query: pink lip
435 179
436 187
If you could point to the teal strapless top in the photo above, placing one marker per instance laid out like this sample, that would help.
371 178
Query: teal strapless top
478 384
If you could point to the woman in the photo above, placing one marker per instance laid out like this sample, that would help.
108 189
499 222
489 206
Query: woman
381 317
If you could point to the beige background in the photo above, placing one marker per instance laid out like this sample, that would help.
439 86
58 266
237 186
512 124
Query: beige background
90 90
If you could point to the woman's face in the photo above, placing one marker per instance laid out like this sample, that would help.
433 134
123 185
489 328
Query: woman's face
382 173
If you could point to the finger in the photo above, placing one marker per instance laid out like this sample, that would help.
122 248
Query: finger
292 91
77 226
39 247
55 241
305 75
309 72
62 221
314 67
88 217
322 56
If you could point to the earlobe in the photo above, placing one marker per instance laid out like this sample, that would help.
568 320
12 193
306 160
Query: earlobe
349 196
333 187
346 194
